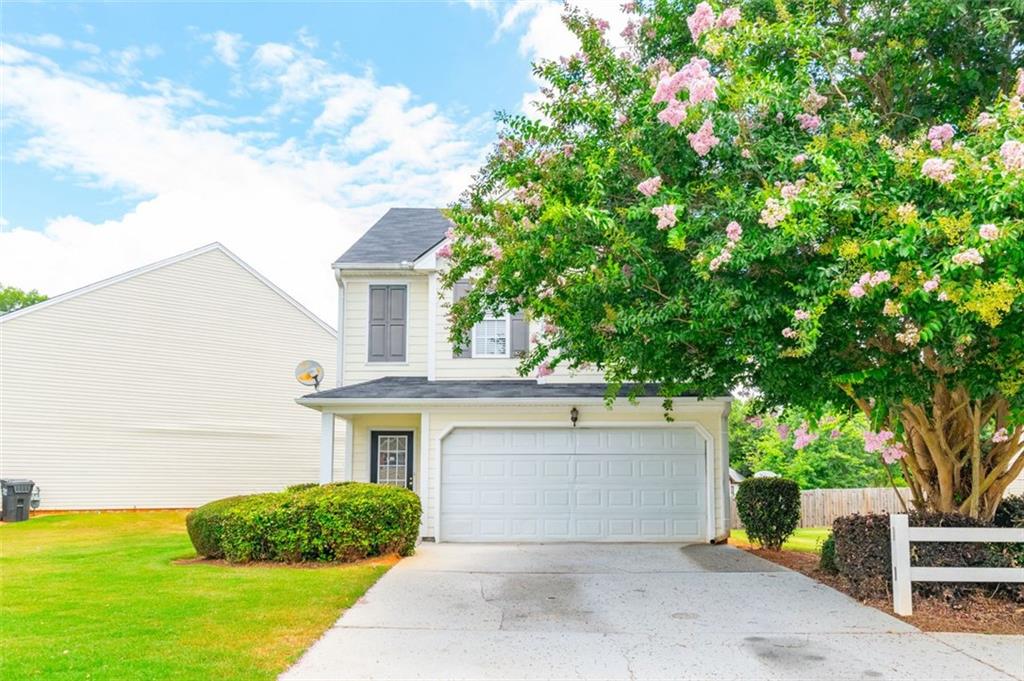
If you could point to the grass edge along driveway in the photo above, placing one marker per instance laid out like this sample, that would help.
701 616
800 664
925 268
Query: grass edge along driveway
101 596
804 539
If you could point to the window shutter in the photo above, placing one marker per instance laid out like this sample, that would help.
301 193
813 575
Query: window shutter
387 324
459 291
519 335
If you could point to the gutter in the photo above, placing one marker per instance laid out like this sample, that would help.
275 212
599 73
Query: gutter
316 402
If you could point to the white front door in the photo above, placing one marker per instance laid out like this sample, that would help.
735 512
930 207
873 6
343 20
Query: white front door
564 484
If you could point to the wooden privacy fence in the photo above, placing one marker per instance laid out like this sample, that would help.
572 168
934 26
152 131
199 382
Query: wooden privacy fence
819 507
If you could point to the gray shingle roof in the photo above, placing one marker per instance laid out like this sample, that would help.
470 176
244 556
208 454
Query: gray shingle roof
414 387
403 234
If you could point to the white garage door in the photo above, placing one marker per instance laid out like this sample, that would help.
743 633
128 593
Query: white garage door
581 484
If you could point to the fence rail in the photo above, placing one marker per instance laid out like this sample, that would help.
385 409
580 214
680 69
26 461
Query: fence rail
903 573
819 507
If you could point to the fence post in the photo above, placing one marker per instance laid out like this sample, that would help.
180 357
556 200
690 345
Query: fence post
899 540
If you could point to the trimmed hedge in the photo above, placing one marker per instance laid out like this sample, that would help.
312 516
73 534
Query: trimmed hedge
862 554
769 509
827 559
334 522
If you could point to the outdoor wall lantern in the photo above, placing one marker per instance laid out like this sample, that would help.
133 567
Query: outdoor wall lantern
574 416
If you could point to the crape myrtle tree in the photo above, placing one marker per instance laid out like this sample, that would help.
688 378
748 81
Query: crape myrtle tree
821 201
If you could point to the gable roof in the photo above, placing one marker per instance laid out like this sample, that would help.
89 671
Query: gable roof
401 236
215 246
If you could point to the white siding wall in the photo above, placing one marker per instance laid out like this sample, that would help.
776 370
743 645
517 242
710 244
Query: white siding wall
356 329
167 389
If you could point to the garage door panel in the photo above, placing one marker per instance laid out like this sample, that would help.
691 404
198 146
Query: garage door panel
501 485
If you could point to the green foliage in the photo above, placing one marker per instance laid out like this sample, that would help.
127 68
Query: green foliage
338 522
863 554
769 509
1011 514
835 460
858 284
827 562
12 298
301 486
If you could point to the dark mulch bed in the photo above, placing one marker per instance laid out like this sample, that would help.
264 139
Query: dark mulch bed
390 559
975 614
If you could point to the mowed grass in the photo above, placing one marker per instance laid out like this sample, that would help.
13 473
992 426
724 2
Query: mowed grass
805 539
101 596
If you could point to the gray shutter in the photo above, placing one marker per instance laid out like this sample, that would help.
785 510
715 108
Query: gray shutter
459 291
396 323
386 342
519 332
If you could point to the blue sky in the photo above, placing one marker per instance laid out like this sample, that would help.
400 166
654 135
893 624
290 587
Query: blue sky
133 131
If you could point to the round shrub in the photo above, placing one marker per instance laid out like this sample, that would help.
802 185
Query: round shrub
769 509
863 554
335 522
1010 512
827 559
301 486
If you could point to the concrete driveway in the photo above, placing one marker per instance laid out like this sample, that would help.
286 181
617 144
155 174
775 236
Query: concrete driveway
628 611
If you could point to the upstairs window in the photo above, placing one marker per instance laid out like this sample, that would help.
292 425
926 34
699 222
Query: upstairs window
491 337
386 339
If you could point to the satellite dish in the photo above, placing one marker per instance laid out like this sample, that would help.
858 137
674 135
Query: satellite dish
309 373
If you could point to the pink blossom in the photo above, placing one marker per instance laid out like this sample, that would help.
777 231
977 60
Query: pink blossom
790 190
931 284
940 134
782 430
745 153
880 277
774 212
702 20
789 333
835 434
496 252
970 256
621 118
943 296
809 122
445 251
800 159
719 260
629 32
755 421
733 231
986 120
893 453
704 139
801 315
988 232
673 114
857 56
1000 436
544 370
814 102
666 216
1012 153
938 169
694 77
702 89
601 25
803 437
650 186
629 7
729 18
875 442
858 291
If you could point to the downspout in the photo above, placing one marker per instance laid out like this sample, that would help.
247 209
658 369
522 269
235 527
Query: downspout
724 478
339 371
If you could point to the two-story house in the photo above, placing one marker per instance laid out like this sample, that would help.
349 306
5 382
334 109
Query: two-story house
494 456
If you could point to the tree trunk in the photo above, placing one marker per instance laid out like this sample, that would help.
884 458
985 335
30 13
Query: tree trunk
949 467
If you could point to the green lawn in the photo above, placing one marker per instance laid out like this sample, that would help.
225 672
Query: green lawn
99 595
805 539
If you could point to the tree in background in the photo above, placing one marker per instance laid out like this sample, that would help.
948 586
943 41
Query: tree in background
12 298
820 200
835 458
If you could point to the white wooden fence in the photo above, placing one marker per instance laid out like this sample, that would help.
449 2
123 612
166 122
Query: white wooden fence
903 575
819 507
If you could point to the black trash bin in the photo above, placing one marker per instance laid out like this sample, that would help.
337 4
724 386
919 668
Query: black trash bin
16 495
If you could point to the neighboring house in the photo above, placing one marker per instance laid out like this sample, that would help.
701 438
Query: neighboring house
493 456
164 387
735 478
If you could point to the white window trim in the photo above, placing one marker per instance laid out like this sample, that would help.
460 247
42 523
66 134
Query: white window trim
508 339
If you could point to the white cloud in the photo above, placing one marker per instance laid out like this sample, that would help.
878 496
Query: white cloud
287 206
227 47
44 40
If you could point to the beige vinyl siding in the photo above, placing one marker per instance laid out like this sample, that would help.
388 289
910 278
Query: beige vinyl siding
363 425
356 329
166 389
708 416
